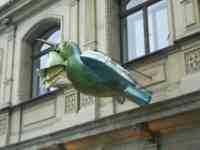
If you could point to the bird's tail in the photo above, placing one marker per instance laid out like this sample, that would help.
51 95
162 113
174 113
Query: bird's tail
139 96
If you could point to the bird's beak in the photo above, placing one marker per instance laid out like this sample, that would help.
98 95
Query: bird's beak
47 42
53 76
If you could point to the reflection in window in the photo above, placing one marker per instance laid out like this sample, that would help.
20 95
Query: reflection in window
135 35
37 87
144 27
158 26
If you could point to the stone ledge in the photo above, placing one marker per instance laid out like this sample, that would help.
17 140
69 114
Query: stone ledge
151 112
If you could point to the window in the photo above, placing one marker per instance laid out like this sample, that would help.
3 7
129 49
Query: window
52 35
144 27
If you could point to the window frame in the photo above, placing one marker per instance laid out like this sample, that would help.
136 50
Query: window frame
36 50
124 14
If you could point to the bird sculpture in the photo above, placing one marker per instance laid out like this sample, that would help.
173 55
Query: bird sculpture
90 72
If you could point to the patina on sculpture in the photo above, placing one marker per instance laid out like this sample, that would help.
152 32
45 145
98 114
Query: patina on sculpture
90 72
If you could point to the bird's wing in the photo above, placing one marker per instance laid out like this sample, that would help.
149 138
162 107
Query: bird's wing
92 57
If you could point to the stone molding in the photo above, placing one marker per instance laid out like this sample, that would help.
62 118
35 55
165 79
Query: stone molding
108 4
75 101
112 28
122 120
1 63
74 21
156 73
189 13
86 100
90 24
11 10
71 101
49 107
3 123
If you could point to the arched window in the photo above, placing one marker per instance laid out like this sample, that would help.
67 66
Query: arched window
52 35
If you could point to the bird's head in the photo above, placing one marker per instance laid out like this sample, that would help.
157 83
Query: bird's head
52 47
54 73
65 49
69 49
58 55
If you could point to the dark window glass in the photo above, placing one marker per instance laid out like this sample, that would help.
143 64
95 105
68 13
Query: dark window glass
144 27
37 87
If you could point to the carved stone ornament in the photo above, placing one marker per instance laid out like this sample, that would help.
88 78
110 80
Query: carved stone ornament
192 61
71 102
86 100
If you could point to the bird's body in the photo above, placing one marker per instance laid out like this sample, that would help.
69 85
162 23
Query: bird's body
92 81
95 74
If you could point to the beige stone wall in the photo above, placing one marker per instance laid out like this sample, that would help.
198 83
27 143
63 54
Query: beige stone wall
60 111
3 2
92 24
6 65
186 17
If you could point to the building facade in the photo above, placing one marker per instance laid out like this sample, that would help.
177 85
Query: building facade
158 41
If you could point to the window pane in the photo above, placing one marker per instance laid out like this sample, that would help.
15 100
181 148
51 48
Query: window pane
135 35
38 88
55 38
158 26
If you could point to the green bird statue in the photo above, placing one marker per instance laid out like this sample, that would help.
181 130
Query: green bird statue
90 72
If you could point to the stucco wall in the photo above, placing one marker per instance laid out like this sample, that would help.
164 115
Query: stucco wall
92 24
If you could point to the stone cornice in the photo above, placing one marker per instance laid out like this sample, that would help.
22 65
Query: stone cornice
10 11
7 5
127 119
11 7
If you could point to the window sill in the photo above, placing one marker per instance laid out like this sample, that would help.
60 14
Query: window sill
35 99
5 106
38 98
161 53
41 97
